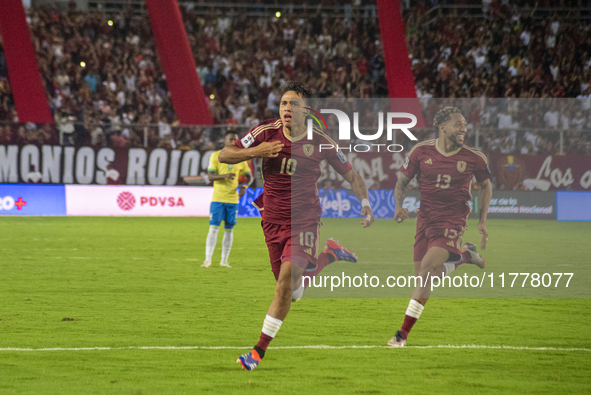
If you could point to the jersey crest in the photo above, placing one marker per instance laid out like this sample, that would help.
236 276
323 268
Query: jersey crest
308 149
461 166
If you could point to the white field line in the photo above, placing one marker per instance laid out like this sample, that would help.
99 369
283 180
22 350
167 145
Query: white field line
317 347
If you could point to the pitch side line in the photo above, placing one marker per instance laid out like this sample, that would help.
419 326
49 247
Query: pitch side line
315 347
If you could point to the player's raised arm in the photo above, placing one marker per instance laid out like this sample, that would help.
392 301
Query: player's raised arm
233 154
360 189
484 196
401 213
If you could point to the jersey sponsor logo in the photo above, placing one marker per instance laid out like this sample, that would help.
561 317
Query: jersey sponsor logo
461 166
308 149
308 251
451 244
405 165
429 161
247 140
341 157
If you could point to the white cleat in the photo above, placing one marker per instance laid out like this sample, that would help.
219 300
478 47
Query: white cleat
224 264
206 264
397 340
475 257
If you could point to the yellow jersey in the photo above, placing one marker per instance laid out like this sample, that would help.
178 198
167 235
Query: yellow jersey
224 191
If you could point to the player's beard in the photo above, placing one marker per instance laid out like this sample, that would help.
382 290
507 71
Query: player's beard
455 141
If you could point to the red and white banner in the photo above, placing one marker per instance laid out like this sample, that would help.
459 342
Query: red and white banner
31 164
96 200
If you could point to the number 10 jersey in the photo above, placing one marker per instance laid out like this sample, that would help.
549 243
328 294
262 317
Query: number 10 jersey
290 192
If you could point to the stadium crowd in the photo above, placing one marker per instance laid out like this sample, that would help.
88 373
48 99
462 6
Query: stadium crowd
105 85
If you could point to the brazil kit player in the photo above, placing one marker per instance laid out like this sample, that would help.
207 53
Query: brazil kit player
224 204
290 207
445 168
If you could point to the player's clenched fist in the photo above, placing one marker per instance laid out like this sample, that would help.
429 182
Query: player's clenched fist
401 214
269 149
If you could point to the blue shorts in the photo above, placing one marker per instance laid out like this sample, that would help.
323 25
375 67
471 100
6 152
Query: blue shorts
227 212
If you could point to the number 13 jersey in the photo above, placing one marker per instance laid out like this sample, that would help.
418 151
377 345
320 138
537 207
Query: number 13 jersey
444 179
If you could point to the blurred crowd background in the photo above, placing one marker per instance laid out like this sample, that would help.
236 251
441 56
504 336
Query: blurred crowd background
105 85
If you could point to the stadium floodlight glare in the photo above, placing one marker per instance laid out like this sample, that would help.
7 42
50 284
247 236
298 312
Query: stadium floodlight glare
278 14
212 96
110 23
82 64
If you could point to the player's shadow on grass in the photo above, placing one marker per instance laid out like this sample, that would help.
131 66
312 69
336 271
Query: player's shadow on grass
237 368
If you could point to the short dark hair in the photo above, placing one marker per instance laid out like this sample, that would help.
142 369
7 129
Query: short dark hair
443 115
297 87
231 132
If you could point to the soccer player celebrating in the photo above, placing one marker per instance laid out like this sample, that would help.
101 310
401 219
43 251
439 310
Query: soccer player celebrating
444 167
224 204
290 206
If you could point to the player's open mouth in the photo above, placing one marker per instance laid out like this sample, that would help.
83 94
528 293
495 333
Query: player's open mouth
287 117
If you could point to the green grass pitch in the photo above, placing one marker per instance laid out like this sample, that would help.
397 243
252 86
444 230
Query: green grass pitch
127 283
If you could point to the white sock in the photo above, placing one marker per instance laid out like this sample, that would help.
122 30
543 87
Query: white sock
271 326
298 293
212 238
227 244
449 267
414 309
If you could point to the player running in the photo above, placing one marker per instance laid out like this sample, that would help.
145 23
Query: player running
290 206
444 167
224 204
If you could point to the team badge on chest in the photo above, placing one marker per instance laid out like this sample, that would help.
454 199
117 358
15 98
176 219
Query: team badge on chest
461 166
308 149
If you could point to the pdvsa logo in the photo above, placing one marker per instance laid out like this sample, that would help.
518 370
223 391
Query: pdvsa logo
126 201
8 203
161 201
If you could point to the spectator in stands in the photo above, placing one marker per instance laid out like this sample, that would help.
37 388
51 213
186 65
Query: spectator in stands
91 69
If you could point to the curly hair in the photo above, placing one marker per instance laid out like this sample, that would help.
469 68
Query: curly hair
297 87
443 115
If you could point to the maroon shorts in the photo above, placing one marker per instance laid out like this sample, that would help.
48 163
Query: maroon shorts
447 236
297 244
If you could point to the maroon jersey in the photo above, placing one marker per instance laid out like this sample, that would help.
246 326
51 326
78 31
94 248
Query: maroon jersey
290 191
444 180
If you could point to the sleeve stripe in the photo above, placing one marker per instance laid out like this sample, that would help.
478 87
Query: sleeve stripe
256 131
260 130
320 133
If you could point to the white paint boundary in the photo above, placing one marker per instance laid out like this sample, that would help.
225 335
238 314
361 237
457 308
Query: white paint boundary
314 347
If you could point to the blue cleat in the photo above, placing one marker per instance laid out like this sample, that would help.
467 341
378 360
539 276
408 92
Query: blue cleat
249 361
339 252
